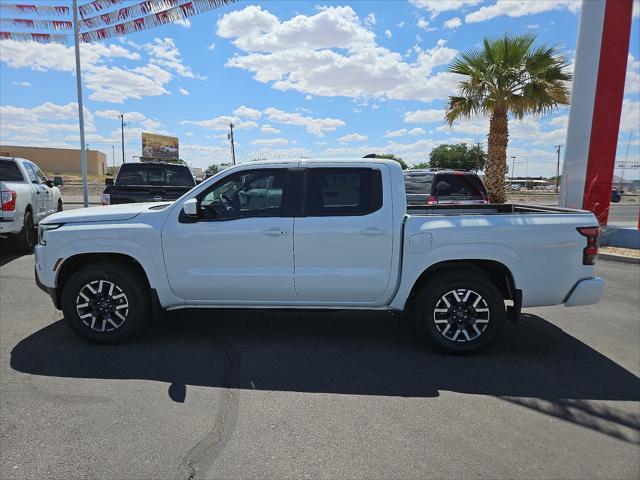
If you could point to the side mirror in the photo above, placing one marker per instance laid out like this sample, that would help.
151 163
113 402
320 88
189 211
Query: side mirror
190 208
49 183
58 182
108 181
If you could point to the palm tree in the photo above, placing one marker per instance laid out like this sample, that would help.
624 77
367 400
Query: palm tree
508 76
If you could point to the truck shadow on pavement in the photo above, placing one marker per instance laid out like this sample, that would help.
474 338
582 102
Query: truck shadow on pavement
534 364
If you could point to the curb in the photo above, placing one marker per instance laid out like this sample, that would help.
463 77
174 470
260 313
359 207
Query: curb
618 258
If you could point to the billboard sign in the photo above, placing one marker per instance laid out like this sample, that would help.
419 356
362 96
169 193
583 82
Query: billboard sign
159 147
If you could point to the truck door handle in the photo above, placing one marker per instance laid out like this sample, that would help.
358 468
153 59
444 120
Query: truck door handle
275 232
372 231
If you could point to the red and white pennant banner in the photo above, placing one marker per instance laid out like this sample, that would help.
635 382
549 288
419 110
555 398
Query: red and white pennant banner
97 6
128 13
36 37
41 10
26 23
181 12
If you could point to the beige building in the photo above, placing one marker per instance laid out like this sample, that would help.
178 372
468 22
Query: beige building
58 160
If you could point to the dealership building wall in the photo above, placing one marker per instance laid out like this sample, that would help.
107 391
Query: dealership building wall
58 160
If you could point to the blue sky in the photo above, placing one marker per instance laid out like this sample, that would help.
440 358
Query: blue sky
298 78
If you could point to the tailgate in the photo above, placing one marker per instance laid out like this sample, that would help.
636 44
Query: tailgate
145 193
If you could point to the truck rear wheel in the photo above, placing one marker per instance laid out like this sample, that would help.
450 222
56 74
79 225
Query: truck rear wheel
27 237
106 302
459 311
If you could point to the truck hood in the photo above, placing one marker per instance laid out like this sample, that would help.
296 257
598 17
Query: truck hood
110 213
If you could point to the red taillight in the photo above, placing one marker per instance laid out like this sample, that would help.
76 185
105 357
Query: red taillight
8 200
590 252
431 200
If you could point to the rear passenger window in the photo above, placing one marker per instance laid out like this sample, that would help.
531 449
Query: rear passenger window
343 191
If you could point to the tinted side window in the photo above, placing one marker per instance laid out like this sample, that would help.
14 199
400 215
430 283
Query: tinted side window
250 193
418 182
31 172
41 176
459 186
343 191
10 172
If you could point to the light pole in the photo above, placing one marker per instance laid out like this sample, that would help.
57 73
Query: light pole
83 153
513 167
233 150
122 125
558 167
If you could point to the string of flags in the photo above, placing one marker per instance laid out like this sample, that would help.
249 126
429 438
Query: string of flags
135 18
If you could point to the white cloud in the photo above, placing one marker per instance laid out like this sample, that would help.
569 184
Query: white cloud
414 132
632 80
115 115
163 52
353 137
269 129
183 22
246 112
316 126
630 116
212 46
268 153
184 91
422 23
104 82
436 7
222 123
298 54
370 21
519 9
271 141
401 24
188 134
42 125
533 26
22 84
453 23
388 33
424 116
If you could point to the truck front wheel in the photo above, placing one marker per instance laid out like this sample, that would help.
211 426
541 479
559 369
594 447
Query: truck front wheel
106 302
459 311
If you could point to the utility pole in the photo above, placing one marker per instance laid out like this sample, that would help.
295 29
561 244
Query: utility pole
478 157
122 125
83 153
113 156
233 150
513 168
558 167
624 165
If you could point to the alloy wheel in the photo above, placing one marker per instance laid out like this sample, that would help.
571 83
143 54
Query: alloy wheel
102 306
461 315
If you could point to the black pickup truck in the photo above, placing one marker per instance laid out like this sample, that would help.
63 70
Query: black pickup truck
148 182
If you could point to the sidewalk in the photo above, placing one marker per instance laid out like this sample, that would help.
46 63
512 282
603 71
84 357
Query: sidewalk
77 199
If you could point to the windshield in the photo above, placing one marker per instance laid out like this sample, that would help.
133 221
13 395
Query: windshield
155 174
459 186
9 171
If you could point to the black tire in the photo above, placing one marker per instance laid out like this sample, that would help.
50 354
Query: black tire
28 236
60 207
467 324
114 322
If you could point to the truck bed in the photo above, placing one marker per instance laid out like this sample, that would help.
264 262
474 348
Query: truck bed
490 209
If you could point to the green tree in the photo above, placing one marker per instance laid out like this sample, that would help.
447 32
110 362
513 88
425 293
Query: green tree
422 165
389 156
507 76
212 169
458 156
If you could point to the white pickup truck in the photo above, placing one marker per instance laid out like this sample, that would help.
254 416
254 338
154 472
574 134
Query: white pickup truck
28 197
316 234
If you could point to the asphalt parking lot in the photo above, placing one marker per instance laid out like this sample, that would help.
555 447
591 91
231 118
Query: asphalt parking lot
324 395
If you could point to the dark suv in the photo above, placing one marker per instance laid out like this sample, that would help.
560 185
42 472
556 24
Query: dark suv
448 187
148 182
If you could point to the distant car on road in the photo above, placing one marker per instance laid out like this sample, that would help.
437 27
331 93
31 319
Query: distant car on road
148 182
615 196
444 187
28 197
